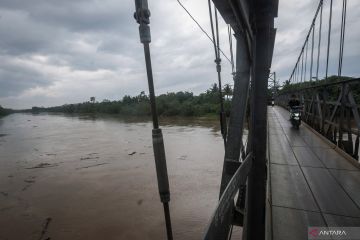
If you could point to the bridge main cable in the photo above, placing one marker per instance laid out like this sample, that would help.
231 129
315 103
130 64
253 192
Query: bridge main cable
307 38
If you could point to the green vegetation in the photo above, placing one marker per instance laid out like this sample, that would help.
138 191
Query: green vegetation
4 111
169 104
295 86
186 103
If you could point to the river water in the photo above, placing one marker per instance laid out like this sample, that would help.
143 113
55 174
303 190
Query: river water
80 177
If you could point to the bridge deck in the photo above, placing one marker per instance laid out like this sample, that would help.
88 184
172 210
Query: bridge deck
310 183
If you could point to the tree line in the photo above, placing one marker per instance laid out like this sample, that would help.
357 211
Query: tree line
169 104
5 111
332 90
183 103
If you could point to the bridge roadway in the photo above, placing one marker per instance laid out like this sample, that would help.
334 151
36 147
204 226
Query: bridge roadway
311 184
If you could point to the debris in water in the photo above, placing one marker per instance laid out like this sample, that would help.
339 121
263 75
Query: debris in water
26 187
88 158
3 134
45 228
140 201
43 165
29 181
93 153
5 194
92 166
183 157
50 154
131 153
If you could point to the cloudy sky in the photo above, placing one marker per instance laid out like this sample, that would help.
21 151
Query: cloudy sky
56 52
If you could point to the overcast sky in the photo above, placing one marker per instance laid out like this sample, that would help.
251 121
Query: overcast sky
57 52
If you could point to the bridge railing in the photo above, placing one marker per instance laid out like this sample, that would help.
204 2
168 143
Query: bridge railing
332 109
224 214
331 105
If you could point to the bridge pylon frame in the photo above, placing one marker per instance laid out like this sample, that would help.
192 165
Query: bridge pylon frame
244 169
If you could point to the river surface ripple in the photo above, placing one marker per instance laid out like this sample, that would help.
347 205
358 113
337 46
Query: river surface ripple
81 177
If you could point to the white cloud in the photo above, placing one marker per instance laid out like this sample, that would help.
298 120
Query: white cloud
53 53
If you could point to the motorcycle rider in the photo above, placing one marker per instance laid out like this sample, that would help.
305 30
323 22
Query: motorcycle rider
293 102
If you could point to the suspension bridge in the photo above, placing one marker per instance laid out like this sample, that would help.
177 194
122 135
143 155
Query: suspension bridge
279 181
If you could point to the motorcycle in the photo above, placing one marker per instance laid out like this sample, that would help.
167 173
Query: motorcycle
295 116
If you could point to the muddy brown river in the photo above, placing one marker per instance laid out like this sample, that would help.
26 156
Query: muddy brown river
80 177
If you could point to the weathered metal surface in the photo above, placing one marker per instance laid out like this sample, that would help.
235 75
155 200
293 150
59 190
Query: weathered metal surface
329 194
321 195
255 53
293 137
306 157
238 111
221 219
255 222
281 151
334 220
331 159
254 226
350 181
312 140
272 43
293 224
290 188
160 164
237 14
